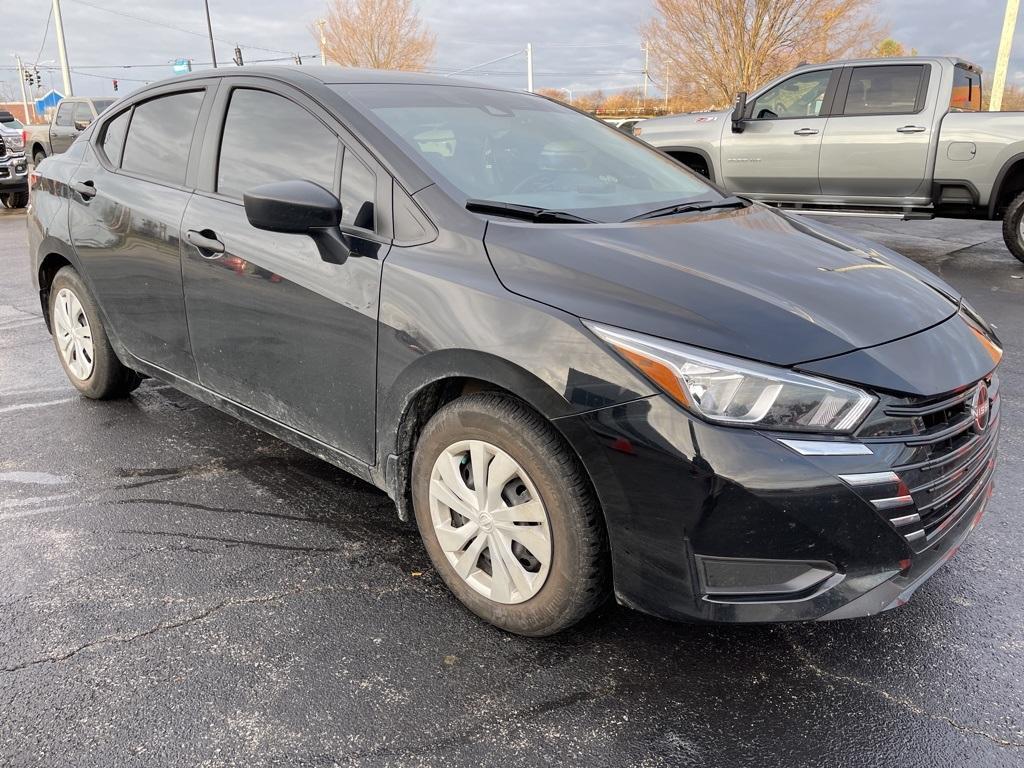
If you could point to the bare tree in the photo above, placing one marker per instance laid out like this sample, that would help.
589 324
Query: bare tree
378 34
719 47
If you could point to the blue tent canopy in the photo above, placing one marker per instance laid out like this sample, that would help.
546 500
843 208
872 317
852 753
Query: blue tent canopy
49 101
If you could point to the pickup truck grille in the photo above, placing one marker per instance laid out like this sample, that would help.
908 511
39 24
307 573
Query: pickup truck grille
946 466
3 147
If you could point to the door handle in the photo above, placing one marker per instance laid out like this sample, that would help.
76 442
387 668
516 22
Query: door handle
86 189
206 243
806 132
911 129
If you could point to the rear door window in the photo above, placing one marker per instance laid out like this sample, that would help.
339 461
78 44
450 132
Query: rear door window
886 90
966 95
160 136
83 115
269 138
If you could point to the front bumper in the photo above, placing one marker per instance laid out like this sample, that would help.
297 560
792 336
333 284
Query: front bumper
722 524
13 173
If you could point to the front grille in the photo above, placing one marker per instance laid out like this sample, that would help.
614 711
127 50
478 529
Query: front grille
945 468
3 147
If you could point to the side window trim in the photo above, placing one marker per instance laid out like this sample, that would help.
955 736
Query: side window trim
844 91
826 102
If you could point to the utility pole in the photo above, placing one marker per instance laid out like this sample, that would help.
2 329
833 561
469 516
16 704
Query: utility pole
1003 59
647 60
321 23
62 49
209 29
529 67
21 78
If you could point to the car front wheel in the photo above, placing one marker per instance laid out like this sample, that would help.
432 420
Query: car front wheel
1013 227
15 200
508 516
83 347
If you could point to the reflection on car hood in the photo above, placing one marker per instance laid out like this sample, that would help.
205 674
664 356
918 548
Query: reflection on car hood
753 282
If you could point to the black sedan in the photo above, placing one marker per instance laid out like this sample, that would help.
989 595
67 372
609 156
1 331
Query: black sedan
582 369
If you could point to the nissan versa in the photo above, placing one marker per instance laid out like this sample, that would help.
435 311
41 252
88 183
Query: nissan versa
579 366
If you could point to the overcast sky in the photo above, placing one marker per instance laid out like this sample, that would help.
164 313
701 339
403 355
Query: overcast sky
578 44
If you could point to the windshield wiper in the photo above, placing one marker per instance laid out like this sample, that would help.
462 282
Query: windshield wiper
697 205
526 212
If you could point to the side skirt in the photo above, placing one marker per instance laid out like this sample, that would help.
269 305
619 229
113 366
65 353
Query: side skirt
255 419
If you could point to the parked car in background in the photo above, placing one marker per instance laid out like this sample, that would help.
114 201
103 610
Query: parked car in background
13 165
581 368
74 114
897 137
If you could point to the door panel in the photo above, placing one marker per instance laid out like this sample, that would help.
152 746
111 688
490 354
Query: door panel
878 144
773 157
127 239
777 152
279 330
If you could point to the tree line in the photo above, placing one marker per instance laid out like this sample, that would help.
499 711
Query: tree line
702 52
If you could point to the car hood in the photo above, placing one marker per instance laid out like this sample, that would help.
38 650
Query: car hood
751 282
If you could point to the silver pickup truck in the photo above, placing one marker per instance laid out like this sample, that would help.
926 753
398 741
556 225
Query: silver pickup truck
73 116
13 166
885 137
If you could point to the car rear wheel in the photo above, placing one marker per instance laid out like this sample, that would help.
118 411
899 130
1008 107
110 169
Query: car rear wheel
508 516
1013 227
38 156
83 347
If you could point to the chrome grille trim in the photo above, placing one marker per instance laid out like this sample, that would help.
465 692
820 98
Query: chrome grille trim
893 502
826 448
870 478
905 520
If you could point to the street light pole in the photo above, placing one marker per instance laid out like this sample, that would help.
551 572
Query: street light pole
209 30
62 49
1003 59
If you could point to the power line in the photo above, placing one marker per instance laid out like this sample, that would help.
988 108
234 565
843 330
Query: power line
166 25
46 31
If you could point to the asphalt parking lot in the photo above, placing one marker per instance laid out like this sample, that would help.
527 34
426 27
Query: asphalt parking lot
179 589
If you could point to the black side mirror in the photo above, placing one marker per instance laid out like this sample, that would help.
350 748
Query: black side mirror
739 112
299 208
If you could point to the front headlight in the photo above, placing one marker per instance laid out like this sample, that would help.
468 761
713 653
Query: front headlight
738 392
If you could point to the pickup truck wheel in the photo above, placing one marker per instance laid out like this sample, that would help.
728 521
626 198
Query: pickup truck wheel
1013 227
81 341
15 199
508 517
38 156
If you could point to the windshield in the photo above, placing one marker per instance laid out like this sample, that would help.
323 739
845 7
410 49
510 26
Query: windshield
12 124
518 148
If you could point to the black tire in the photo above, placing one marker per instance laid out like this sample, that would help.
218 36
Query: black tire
38 156
16 200
578 575
1012 233
109 379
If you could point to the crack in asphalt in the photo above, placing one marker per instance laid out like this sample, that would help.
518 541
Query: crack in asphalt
892 698
239 542
222 510
122 639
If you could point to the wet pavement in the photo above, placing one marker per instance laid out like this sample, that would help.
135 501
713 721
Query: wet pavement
179 589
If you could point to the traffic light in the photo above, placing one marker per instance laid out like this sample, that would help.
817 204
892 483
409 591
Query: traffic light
238 56
115 86
298 59
37 78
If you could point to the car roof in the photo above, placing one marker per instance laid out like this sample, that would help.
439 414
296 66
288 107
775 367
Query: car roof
953 60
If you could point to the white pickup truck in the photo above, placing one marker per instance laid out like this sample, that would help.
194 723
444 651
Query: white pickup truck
899 137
